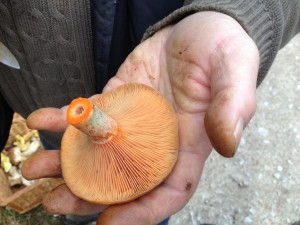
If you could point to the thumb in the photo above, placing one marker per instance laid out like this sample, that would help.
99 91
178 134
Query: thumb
226 119
234 69
116 214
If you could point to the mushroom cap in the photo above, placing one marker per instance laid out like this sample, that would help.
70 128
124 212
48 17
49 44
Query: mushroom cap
137 159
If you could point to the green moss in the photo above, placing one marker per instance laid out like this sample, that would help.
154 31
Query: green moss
36 216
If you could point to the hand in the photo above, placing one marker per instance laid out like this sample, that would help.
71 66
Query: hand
206 66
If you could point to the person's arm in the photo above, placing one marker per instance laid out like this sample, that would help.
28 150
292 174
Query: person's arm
209 78
270 23
206 65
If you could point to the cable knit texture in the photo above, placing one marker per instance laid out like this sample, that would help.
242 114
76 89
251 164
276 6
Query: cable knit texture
270 23
52 41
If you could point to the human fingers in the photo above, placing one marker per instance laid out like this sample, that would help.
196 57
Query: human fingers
51 119
162 202
234 68
42 164
113 83
62 201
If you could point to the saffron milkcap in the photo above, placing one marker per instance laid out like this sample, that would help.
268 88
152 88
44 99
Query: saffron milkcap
120 145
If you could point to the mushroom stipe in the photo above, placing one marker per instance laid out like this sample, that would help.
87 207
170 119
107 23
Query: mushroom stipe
119 146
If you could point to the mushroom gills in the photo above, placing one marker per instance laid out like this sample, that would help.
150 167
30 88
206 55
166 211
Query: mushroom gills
125 144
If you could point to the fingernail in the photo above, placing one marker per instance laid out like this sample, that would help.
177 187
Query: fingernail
238 131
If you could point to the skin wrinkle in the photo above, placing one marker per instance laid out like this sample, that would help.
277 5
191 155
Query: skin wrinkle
195 96
192 132
52 201
136 68
56 171
180 110
77 205
185 61
164 75
150 73
135 58
151 213
179 191
191 145
56 168
188 99
138 59
50 208
220 62
220 52
180 196
165 81
186 80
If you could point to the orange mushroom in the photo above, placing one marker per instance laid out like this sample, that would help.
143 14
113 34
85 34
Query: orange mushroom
119 146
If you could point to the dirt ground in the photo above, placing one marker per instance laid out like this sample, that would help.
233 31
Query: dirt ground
261 184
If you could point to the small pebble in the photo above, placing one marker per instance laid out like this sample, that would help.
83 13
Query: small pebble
243 141
267 103
263 131
277 175
241 162
247 220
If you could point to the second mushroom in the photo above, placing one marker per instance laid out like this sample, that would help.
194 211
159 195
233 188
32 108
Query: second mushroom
119 146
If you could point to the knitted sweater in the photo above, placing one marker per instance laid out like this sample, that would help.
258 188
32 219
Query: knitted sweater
54 42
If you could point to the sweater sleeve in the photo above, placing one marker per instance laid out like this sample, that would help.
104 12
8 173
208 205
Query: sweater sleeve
270 23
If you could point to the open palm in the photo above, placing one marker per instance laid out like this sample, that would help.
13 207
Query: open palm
206 66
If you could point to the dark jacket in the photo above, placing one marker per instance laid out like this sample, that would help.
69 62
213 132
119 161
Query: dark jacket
113 30
69 48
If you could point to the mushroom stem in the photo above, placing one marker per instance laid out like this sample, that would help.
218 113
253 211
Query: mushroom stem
89 119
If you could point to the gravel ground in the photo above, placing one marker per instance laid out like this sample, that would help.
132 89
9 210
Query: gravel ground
261 184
